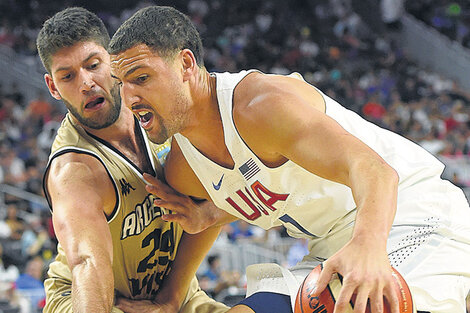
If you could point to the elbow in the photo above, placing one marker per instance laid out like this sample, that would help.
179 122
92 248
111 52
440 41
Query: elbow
88 262
391 174
376 171
78 262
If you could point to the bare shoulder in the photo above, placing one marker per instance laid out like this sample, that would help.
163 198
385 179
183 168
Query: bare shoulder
180 176
76 165
75 177
259 90
266 107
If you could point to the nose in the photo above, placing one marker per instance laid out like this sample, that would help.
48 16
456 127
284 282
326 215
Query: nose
128 95
87 81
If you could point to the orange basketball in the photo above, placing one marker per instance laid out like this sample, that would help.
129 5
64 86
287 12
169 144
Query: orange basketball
325 303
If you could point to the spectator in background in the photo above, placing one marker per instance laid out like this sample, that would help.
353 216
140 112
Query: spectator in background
13 168
15 94
241 230
213 271
373 109
30 283
8 275
14 223
47 135
8 272
214 280
39 109
297 252
11 118
35 239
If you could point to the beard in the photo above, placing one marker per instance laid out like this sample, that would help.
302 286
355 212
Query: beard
167 128
104 119
162 135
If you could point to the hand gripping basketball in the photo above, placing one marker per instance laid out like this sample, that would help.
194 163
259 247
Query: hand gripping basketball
325 303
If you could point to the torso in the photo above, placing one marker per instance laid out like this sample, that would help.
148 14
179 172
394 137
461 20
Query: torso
144 246
268 191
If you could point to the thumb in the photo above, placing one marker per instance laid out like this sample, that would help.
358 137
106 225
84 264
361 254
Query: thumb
323 279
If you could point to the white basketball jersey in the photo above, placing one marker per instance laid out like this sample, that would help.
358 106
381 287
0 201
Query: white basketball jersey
307 205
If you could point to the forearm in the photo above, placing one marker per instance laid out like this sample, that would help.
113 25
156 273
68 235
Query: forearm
191 252
375 186
92 286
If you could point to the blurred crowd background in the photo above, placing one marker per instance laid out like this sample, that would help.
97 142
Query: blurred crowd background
330 42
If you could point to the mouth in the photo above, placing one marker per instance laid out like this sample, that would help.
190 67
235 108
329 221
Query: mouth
145 118
95 103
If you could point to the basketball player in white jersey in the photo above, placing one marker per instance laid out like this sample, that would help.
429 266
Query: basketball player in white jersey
112 239
274 150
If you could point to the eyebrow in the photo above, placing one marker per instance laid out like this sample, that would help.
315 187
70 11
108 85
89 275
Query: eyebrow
132 70
64 68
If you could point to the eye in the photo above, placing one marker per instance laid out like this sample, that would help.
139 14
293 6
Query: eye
142 78
93 66
66 77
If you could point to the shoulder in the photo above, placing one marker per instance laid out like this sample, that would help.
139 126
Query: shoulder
72 161
77 172
266 107
259 90
79 178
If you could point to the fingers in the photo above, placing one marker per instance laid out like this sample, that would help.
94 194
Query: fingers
324 278
157 187
124 305
364 293
392 298
187 225
152 179
175 207
344 298
377 302
175 217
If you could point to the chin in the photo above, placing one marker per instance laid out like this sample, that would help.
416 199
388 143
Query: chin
156 138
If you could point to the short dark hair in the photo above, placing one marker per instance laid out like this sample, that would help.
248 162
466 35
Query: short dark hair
67 28
163 29
212 258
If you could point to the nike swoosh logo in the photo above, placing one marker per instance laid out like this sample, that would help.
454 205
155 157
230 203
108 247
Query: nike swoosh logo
217 187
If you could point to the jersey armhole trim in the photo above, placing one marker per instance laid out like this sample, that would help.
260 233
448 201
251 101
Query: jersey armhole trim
80 151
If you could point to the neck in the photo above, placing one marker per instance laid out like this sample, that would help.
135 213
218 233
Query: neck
205 130
205 109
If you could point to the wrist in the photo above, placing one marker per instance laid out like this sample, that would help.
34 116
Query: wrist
172 298
370 239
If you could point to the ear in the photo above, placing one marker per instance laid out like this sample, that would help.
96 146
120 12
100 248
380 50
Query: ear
51 86
189 64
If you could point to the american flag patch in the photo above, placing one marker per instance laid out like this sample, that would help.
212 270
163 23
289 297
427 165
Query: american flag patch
249 169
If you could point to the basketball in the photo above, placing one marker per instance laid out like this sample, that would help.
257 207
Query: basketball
325 303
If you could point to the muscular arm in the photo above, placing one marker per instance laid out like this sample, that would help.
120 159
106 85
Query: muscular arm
191 252
80 223
299 130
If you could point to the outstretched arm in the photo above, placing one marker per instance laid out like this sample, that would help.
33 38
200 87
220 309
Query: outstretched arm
300 131
81 227
170 297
